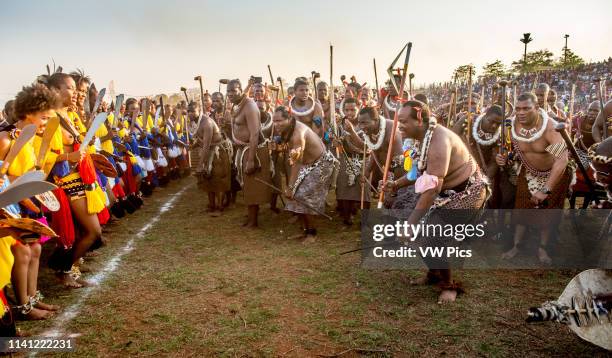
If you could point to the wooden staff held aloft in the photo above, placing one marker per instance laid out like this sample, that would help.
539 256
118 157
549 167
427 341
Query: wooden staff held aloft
571 107
514 93
282 89
469 107
410 77
381 197
332 98
505 124
184 90
271 77
378 99
314 76
199 79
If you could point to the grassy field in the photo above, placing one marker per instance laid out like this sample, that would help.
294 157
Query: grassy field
201 286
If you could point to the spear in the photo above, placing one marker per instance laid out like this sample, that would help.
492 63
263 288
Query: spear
381 197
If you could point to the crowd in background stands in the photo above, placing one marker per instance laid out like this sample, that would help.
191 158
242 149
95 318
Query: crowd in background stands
560 80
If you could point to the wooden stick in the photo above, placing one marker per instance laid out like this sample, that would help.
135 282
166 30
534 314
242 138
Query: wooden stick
294 198
571 108
378 100
332 97
469 113
365 146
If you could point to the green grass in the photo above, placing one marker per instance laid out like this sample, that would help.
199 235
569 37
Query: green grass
201 286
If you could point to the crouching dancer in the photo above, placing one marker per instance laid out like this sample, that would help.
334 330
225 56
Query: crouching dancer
449 179
311 169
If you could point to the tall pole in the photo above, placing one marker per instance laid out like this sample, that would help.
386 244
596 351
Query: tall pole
526 39
565 50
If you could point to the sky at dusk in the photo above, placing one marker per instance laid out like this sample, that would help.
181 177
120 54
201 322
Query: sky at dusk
150 47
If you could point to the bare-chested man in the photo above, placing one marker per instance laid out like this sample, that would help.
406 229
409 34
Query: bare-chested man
323 98
267 129
582 127
389 102
484 147
217 111
450 179
207 103
377 132
311 169
555 107
544 176
213 169
600 155
348 186
252 157
547 100
305 109
605 116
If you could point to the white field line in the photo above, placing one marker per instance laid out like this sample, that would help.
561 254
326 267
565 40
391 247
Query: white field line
72 311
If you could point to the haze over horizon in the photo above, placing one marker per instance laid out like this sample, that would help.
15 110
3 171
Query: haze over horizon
152 47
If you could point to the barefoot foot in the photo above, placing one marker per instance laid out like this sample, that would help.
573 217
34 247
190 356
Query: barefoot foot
68 281
309 239
510 253
37 315
447 296
424 280
543 257
84 283
47 307
297 236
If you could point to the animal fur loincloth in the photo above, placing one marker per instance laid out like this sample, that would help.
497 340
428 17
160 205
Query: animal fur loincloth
312 185
529 183
214 172
255 193
348 186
